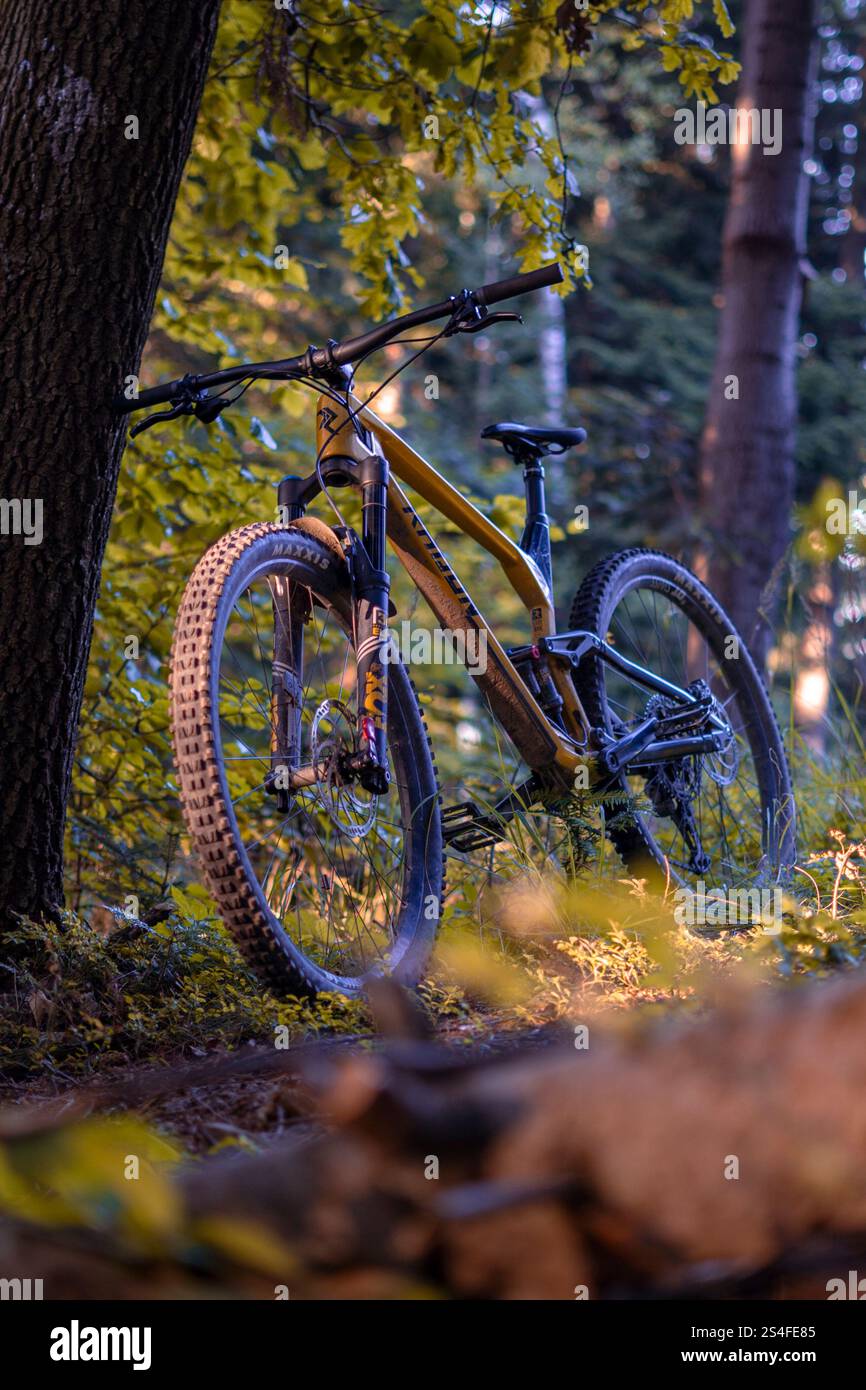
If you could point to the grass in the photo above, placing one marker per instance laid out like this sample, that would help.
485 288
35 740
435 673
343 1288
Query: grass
78 996
78 999
543 948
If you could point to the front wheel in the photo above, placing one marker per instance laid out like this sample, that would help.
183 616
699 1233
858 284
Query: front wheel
723 819
321 883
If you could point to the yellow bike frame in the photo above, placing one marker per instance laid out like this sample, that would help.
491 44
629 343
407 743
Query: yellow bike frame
540 742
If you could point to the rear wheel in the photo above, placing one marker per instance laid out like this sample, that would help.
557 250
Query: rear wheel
725 819
322 884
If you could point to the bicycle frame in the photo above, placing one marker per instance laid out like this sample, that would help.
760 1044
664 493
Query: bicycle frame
345 459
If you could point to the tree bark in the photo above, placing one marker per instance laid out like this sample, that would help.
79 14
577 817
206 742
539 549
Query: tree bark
747 448
84 218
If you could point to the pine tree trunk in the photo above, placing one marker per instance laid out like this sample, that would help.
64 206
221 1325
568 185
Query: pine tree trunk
552 350
84 218
747 450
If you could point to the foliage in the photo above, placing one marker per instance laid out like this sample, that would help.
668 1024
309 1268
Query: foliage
76 1177
551 950
375 101
76 998
315 193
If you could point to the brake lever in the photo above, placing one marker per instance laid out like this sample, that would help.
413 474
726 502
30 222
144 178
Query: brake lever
160 415
205 410
501 316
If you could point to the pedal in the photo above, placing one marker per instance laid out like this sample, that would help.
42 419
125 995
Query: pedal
466 827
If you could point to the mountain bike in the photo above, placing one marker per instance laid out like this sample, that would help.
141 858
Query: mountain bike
307 778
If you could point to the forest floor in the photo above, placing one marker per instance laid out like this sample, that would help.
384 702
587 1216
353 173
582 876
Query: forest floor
165 1019
122 1039
94 995
265 1167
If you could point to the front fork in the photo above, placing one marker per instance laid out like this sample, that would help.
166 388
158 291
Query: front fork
371 598
347 460
291 610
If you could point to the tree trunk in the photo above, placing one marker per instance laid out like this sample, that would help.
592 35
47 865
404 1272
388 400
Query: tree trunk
84 220
554 385
747 449
551 349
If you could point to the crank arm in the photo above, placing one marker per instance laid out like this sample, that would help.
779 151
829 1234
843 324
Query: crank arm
669 749
618 752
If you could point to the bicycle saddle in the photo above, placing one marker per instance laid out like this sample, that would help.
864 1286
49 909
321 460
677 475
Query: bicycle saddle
533 439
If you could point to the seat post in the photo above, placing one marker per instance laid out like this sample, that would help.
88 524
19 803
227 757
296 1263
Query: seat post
536 532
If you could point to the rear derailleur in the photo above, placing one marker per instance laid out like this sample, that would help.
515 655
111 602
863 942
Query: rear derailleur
674 785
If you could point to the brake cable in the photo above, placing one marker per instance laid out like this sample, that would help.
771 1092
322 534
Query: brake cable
481 318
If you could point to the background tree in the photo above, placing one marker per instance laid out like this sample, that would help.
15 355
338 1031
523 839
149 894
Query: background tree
747 473
96 119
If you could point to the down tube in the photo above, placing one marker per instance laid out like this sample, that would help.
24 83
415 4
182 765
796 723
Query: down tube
512 705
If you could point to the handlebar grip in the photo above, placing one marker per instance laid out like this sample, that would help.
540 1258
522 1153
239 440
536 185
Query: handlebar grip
154 395
520 284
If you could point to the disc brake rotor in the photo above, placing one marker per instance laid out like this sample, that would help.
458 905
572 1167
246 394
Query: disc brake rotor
329 744
722 767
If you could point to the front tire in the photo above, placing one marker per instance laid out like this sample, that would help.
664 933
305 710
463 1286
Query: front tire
341 904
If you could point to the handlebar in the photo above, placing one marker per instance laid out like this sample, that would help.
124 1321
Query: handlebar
189 394
519 284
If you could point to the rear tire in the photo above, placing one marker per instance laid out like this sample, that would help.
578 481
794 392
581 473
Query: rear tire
755 838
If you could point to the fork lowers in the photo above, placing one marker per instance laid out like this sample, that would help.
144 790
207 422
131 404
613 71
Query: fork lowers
371 586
